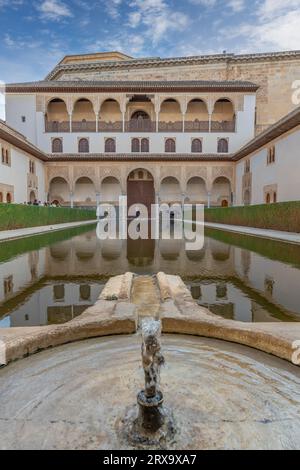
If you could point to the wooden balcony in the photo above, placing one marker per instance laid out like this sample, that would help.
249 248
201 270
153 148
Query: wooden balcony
140 125
83 126
110 126
223 126
196 126
170 126
54 126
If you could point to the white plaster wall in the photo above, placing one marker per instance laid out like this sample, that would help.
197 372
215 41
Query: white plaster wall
16 175
284 172
22 105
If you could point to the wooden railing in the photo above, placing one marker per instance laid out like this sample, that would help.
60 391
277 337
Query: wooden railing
54 126
83 126
170 126
196 126
223 126
143 125
110 126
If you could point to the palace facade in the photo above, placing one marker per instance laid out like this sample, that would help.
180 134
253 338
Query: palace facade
197 129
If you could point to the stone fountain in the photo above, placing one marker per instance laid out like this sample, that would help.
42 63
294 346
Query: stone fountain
150 423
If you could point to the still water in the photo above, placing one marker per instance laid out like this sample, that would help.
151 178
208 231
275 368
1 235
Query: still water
52 278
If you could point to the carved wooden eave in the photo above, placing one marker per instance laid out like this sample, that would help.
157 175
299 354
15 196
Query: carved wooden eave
127 157
185 86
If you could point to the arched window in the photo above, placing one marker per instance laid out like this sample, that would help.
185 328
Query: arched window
275 197
170 146
83 146
140 115
268 198
196 146
8 198
222 146
3 155
1 197
7 157
110 146
135 145
145 145
57 146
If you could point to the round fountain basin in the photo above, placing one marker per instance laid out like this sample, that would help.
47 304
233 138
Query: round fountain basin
223 396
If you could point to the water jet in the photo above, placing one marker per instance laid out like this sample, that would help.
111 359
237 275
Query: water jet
150 423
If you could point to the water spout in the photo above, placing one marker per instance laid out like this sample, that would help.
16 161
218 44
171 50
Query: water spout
153 424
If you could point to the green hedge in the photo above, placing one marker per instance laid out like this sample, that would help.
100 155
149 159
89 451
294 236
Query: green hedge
14 216
281 216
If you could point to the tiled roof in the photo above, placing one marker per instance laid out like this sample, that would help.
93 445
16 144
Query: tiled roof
134 86
287 123
13 137
161 62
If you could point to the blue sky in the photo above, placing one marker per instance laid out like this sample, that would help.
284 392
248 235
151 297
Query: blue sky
36 34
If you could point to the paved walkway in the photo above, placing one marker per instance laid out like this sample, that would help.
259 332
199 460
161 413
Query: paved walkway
290 237
28 232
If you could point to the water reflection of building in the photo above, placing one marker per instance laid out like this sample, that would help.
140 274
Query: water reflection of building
54 304
85 256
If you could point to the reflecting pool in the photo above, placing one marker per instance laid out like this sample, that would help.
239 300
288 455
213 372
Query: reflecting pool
52 278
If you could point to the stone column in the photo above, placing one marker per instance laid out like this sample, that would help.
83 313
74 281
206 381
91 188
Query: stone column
98 199
209 122
71 200
233 199
183 122
208 199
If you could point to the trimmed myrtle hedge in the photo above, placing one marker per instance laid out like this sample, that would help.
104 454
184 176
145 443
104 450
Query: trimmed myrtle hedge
280 216
14 216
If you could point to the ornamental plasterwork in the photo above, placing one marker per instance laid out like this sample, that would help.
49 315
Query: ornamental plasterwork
107 172
98 99
196 171
58 172
170 171
226 171
84 171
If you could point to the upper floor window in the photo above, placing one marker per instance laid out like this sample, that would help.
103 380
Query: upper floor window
145 145
57 146
247 166
271 155
135 145
83 146
170 145
23 118
222 146
140 145
196 146
5 156
110 145
31 167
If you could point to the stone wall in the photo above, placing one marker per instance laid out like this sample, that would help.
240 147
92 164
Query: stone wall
275 77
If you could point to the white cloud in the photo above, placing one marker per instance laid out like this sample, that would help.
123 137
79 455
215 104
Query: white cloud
237 5
272 8
205 3
112 8
277 27
157 17
54 10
